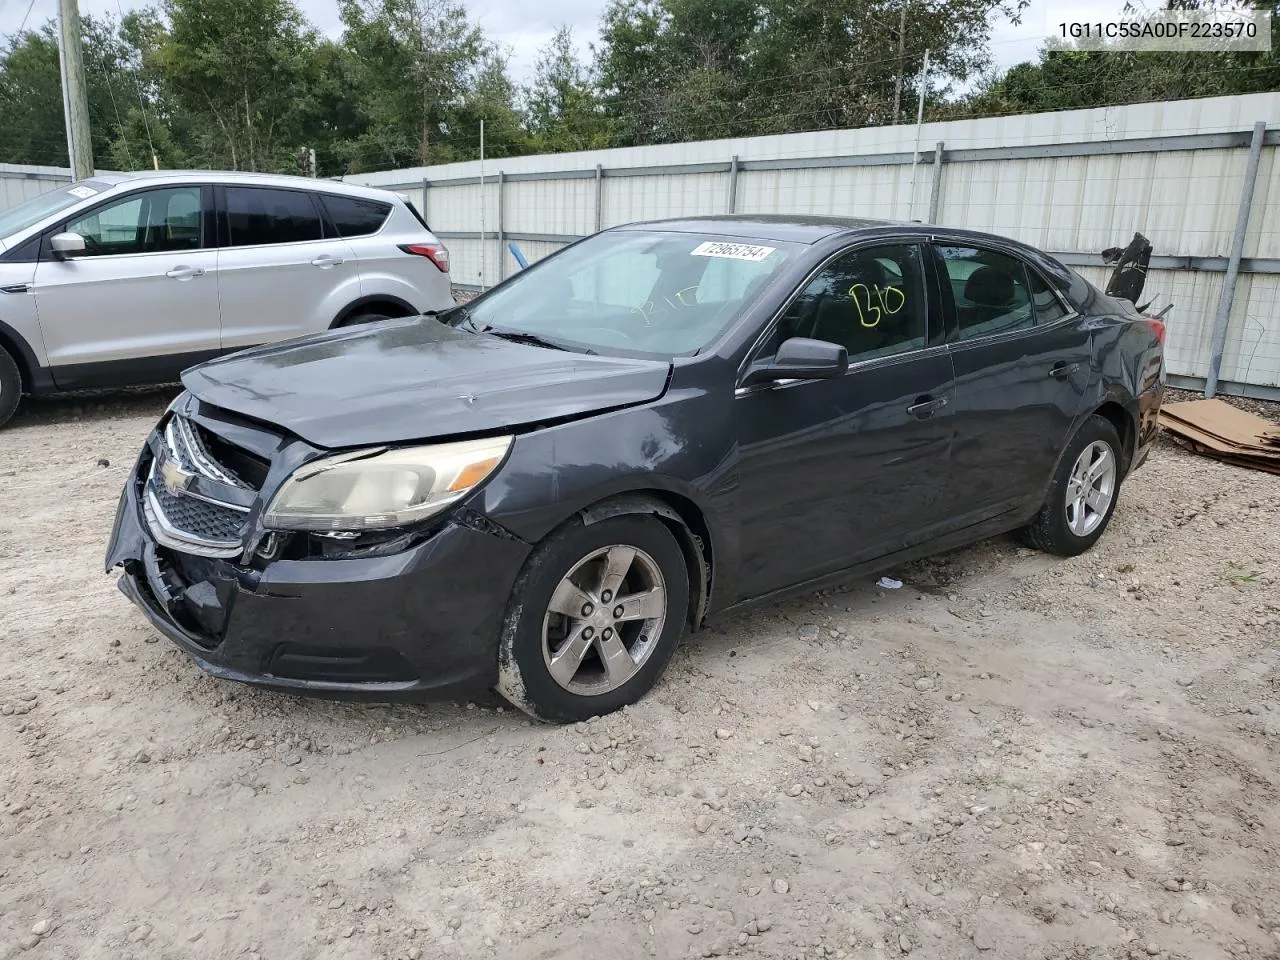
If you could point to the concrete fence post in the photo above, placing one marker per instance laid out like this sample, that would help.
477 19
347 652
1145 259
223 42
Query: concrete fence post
502 225
733 184
599 197
935 190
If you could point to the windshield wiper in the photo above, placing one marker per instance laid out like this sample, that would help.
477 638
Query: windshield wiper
534 339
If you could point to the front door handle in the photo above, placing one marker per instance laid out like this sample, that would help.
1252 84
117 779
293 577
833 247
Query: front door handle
326 261
926 406
1061 370
185 273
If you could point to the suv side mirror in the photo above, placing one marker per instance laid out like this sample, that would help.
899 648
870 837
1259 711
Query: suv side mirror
66 245
800 358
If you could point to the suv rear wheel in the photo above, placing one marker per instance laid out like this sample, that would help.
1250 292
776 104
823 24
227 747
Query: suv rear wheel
10 386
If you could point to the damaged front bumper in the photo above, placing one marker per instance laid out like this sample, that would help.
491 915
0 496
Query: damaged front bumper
419 623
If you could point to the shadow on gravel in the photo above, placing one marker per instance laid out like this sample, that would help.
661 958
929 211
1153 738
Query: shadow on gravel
92 405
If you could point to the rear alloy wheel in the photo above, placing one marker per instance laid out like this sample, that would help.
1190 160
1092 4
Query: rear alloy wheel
594 618
10 386
1083 494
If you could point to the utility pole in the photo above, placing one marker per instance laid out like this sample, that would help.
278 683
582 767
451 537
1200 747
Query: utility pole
75 103
902 44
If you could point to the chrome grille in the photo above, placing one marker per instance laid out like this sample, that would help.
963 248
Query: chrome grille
182 519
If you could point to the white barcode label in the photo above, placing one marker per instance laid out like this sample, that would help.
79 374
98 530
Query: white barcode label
732 251
84 193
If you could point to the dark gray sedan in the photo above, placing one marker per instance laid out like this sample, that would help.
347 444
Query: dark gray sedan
543 490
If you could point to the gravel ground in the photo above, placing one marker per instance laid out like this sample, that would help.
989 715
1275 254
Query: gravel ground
1012 756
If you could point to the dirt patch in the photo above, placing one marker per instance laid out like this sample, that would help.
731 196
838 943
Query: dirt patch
1011 756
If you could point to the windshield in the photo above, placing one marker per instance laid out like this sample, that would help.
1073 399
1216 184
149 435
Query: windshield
31 212
632 291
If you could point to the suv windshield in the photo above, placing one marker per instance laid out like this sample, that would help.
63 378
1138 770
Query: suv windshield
32 211
635 291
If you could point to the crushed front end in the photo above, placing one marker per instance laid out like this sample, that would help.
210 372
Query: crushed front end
404 613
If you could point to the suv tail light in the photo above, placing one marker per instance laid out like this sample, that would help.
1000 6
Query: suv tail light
437 253
1157 327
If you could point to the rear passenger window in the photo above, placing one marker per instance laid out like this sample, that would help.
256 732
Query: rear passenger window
1048 305
355 216
989 290
256 216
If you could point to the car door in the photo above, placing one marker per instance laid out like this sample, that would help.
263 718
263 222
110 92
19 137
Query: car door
834 472
1022 363
281 273
140 303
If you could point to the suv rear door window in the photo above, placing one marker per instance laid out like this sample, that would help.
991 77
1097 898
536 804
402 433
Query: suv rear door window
355 216
258 215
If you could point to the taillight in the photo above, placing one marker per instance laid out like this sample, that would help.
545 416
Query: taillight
437 253
1157 327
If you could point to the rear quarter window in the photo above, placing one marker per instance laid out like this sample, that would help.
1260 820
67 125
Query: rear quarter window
355 216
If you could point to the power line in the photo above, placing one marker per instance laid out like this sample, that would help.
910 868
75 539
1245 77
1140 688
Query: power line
146 124
23 25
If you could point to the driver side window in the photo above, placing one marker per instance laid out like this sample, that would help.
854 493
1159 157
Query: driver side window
150 222
870 300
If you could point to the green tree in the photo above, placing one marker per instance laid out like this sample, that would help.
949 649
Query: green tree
562 109
239 71
423 74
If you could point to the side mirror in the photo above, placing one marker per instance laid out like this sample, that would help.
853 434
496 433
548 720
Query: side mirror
801 359
66 245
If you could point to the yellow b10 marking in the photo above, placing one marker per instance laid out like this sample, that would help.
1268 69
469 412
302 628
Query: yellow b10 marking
889 300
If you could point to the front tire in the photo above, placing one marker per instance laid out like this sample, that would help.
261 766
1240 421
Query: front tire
369 316
594 618
1082 497
10 386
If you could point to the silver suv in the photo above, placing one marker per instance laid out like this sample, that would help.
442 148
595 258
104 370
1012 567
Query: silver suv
130 278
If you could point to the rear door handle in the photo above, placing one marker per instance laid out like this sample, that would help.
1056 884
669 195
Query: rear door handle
926 406
326 261
185 273
1061 370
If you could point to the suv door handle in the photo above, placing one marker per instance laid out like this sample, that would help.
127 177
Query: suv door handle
926 406
326 261
1061 370
185 273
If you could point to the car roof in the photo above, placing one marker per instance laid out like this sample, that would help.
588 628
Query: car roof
798 228
803 228
139 177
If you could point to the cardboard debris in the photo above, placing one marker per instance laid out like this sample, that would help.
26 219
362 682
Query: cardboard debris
1217 429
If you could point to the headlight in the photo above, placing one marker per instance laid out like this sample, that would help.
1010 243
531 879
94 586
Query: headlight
381 488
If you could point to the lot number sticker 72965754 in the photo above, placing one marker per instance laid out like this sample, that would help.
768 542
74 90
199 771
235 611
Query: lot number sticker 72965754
732 251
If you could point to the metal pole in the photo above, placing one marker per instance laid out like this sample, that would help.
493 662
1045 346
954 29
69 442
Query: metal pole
425 186
935 192
902 43
1227 298
733 184
482 203
915 156
599 197
502 230
74 99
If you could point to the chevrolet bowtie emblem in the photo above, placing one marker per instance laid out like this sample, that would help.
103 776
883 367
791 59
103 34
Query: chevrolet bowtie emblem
176 480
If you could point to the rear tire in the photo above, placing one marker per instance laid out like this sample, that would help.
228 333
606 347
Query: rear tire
10 386
1083 495
594 618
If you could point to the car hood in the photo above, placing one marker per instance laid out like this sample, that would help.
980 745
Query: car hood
416 379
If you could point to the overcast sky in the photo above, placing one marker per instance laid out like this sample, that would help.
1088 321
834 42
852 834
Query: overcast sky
521 27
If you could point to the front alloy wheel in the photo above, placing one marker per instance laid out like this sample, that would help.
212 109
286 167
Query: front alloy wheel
594 617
